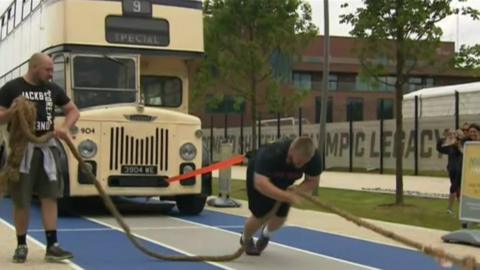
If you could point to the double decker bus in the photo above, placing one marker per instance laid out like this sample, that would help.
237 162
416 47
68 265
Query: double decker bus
126 64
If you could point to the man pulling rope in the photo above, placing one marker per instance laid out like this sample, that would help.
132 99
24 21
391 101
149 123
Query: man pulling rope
271 171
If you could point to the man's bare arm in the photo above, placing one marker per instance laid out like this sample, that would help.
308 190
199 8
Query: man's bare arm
71 116
309 184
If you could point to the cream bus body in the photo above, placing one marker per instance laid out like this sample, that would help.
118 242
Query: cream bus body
126 64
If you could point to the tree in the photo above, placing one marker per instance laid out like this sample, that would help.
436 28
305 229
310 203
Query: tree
468 57
396 37
243 40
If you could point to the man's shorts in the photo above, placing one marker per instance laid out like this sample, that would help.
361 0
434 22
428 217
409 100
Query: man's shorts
36 182
259 204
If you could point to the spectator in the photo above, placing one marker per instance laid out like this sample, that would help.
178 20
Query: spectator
465 127
474 132
451 146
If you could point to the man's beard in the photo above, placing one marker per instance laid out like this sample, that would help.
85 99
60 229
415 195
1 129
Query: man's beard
43 82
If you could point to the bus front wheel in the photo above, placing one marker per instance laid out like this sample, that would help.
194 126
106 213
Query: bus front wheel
191 204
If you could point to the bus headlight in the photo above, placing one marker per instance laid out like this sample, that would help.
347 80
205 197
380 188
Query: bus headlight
188 151
87 149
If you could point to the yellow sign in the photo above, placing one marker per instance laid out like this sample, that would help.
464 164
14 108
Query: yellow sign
470 200
471 171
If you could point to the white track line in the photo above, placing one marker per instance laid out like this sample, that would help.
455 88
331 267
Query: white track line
155 242
70 263
284 246
380 242
139 228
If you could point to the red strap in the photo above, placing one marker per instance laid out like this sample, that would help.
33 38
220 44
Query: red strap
220 165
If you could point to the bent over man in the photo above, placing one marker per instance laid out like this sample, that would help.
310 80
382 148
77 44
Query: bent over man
271 171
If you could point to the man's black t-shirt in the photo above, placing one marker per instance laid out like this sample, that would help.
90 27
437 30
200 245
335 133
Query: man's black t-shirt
45 98
271 161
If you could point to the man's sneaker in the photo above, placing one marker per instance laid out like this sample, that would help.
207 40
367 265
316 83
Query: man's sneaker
20 255
55 253
250 248
449 211
262 242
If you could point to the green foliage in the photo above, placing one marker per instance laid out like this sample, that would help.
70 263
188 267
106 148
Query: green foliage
468 57
400 30
242 40
397 36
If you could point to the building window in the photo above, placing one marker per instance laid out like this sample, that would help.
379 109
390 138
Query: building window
332 82
228 104
429 82
387 110
302 80
355 109
414 83
318 109
382 84
281 67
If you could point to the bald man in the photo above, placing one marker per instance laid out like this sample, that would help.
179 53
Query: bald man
38 173
270 172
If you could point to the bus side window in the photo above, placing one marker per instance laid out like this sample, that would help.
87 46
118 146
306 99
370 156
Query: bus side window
35 3
26 8
59 71
59 77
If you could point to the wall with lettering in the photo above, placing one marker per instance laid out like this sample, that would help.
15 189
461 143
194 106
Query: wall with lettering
365 141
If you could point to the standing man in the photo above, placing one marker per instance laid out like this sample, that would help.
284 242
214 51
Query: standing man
272 170
38 170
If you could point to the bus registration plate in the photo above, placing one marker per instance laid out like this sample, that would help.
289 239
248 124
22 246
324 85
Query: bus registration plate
127 169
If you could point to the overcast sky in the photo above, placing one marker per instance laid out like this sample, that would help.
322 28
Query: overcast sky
459 29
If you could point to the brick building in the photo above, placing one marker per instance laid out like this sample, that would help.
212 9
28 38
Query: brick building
345 86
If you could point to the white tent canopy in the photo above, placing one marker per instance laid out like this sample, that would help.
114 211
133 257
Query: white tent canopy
440 101
444 90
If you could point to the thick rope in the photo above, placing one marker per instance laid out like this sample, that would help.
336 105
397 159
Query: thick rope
22 115
22 125
466 263
11 170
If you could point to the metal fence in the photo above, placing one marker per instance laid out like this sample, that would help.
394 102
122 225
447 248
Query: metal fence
352 145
